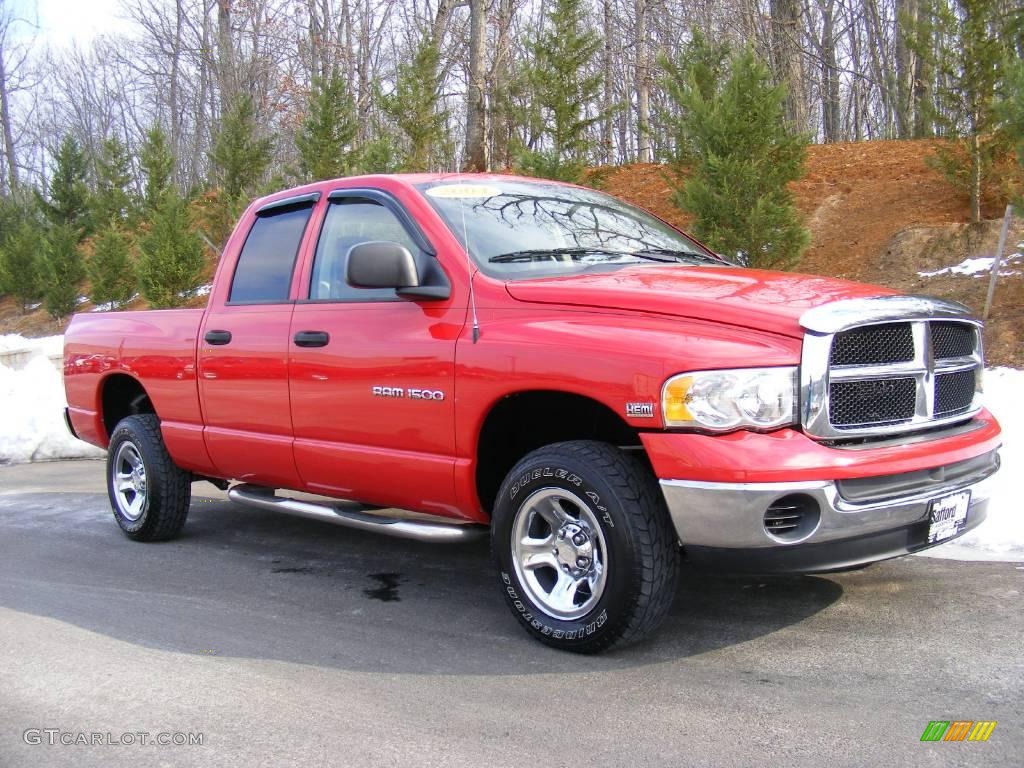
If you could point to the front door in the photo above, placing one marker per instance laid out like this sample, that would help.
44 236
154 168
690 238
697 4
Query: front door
372 374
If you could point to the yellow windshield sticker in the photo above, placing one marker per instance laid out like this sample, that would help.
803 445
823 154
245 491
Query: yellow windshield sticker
463 191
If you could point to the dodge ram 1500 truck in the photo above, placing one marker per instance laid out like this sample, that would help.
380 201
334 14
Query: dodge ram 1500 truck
600 391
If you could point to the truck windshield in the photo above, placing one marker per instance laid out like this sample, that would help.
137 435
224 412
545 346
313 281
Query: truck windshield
523 229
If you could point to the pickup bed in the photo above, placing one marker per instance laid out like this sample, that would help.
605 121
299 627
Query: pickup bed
595 389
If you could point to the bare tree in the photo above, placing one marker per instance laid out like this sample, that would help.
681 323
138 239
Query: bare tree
643 82
476 146
10 61
786 57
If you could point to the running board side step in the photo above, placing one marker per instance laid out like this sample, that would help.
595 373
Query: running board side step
438 533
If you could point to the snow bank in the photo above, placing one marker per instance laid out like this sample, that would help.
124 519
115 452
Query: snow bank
31 406
50 345
1001 536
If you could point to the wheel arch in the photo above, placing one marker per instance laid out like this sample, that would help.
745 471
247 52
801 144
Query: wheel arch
122 395
523 421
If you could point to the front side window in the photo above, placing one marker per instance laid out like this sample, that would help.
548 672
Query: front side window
349 222
522 229
265 265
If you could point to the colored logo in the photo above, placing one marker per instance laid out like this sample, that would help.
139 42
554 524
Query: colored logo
958 730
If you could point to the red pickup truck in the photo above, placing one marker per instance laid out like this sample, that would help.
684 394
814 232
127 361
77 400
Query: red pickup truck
600 391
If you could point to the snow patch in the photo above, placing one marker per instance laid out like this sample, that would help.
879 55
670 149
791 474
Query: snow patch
981 266
202 290
110 305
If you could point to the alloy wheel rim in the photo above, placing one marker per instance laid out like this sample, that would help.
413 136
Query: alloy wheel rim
129 478
559 553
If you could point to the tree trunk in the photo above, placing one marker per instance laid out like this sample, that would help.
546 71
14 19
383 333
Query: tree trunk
5 120
476 146
643 84
173 89
502 126
976 166
441 19
608 97
907 64
786 61
830 117
226 70
199 134
363 92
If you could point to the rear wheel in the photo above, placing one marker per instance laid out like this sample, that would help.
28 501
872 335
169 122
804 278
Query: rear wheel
584 546
149 494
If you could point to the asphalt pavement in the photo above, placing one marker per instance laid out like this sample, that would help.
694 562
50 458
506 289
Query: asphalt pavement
282 641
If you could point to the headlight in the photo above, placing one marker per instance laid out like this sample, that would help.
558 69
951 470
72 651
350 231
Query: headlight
759 398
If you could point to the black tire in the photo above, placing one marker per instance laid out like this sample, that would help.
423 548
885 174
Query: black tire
155 508
642 557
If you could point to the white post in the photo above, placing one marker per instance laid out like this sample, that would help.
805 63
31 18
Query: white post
997 261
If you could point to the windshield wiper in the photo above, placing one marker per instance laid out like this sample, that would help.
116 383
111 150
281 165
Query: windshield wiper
661 255
690 257
541 254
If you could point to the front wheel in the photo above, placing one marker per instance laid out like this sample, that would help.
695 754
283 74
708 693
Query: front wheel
585 547
149 494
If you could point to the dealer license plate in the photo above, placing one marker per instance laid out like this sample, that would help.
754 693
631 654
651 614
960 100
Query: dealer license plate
947 515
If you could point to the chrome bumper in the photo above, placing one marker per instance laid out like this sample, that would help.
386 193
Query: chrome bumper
713 518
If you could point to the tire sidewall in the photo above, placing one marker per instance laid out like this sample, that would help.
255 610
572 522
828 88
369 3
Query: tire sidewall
125 432
618 599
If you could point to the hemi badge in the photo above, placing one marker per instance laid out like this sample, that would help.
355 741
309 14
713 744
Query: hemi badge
640 410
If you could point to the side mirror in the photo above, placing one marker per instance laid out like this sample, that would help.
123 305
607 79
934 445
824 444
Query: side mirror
381 264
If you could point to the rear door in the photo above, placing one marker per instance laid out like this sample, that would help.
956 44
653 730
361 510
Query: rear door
373 398
243 351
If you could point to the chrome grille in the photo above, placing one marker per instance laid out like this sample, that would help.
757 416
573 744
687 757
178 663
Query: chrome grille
871 402
954 392
952 340
873 345
888 365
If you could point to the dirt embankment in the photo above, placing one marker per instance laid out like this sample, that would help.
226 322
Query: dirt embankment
876 212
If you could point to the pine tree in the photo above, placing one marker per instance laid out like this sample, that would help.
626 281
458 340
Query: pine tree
415 107
325 139
112 201
170 254
965 42
378 155
563 81
110 269
240 157
157 165
703 61
63 271
740 156
68 198
21 262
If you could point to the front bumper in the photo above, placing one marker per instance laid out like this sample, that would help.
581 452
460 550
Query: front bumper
723 524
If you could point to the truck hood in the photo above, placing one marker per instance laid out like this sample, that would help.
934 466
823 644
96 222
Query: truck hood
750 298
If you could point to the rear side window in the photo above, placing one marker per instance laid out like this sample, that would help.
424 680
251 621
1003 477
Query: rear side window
351 221
265 265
